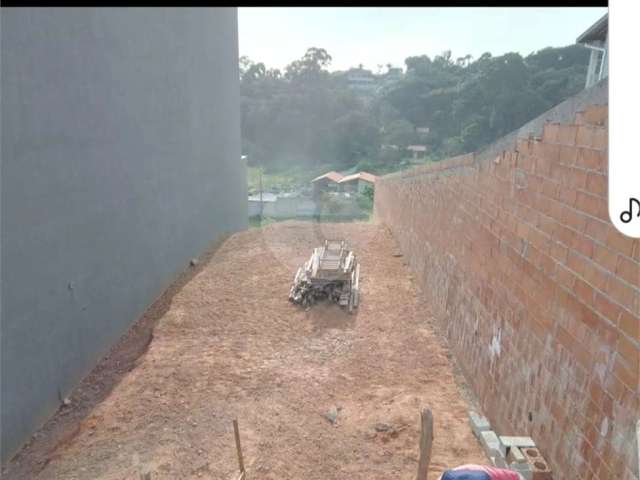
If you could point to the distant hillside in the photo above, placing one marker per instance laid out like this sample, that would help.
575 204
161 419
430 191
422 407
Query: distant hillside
306 116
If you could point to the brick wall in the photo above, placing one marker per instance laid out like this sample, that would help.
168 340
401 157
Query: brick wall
538 292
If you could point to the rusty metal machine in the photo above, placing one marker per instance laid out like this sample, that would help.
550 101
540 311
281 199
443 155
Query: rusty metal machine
332 272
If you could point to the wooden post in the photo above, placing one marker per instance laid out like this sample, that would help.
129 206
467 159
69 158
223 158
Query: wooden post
236 432
638 443
261 204
426 441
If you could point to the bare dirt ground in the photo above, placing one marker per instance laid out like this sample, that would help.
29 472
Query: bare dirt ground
229 345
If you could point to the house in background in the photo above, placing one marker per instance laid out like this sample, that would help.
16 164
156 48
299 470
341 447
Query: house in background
596 38
361 79
418 151
327 182
357 182
336 182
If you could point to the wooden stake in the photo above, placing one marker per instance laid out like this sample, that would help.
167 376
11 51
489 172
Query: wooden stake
638 443
426 441
236 432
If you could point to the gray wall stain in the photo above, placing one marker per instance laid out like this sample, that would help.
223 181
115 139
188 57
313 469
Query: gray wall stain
120 162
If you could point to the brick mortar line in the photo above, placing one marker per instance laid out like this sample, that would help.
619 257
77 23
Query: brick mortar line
549 279
563 367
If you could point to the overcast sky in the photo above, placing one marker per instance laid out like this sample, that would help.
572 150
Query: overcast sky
374 36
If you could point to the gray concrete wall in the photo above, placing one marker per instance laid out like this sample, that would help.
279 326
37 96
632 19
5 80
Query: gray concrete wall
120 162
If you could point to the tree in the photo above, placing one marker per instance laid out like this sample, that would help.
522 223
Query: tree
306 116
312 63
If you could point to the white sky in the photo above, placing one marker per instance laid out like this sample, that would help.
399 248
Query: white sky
376 36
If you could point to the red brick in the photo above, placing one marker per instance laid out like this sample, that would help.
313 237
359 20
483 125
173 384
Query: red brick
597 229
626 375
546 157
617 465
575 178
597 184
550 132
597 393
549 188
576 262
564 277
565 338
620 293
594 461
615 388
595 276
567 195
630 325
601 139
596 115
591 159
539 239
584 291
593 304
554 209
608 335
583 245
585 135
605 257
545 224
606 308
574 219
567 134
538 329
567 155
628 270
546 264
526 162
620 243
528 214
630 354
593 205
604 472
559 252
564 235
545 204
522 145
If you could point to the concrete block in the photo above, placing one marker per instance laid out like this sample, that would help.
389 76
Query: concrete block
499 461
491 443
508 441
478 423
540 469
515 455
523 469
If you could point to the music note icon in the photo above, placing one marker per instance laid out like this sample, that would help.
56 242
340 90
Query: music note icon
626 216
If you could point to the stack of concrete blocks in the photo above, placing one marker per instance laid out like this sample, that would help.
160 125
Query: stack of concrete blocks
515 453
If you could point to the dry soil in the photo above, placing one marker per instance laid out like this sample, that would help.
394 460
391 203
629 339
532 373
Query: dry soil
229 345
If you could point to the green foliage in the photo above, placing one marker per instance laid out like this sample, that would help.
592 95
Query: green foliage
365 200
284 178
306 119
365 203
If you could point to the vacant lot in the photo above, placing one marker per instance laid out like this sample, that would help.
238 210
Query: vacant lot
231 345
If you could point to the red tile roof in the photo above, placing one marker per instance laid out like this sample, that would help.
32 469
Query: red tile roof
332 175
365 176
